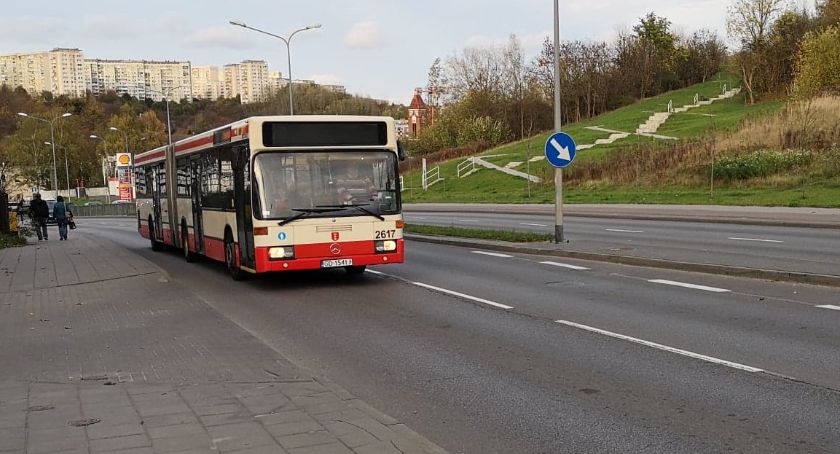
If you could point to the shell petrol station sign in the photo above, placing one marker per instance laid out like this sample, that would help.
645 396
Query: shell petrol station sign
125 176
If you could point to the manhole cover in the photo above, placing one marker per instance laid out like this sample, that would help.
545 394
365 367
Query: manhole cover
84 422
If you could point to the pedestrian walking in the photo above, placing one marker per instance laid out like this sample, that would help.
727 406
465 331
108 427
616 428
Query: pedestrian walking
62 216
39 211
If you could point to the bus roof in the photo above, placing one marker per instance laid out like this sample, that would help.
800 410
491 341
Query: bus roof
239 130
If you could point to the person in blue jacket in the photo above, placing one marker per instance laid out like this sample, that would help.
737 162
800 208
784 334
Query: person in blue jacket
62 216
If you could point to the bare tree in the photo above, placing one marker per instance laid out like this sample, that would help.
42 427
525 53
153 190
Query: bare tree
750 22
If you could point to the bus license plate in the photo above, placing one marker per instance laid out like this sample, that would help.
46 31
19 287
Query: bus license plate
335 263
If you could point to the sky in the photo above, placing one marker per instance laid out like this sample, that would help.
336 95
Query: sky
377 48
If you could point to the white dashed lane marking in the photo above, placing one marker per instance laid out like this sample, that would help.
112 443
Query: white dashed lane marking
687 285
755 239
625 231
492 254
566 265
533 225
666 348
829 306
445 291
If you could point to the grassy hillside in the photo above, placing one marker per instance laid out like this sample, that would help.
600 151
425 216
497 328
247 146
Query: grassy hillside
644 170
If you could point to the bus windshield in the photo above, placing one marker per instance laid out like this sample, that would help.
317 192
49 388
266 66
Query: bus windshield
332 184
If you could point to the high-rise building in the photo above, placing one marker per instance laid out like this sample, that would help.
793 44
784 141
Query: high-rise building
207 82
141 79
253 81
59 71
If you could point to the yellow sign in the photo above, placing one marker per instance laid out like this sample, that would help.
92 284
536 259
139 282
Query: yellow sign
13 221
123 159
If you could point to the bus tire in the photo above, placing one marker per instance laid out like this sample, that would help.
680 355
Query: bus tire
355 270
189 256
230 258
156 246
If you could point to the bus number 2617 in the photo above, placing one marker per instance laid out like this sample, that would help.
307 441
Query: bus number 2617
384 234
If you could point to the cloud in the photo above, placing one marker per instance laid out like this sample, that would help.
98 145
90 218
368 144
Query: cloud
219 36
364 35
38 30
326 79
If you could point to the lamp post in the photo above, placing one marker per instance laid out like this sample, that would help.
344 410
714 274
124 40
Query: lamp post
52 142
168 120
104 173
286 41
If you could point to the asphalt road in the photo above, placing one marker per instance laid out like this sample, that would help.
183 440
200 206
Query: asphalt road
810 250
589 357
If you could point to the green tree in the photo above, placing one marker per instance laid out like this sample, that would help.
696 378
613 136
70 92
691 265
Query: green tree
818 68
658 53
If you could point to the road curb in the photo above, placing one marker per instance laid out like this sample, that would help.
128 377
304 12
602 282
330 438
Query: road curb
707 268
525 210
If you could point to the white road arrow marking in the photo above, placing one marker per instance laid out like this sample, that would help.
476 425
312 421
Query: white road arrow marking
562 152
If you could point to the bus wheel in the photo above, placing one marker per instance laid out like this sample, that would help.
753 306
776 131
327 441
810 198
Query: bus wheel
185 242
355 270
230 259
155 245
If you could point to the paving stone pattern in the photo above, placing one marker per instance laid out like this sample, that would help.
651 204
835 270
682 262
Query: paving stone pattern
102 352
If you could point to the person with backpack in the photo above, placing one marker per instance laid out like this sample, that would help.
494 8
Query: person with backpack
39 211
62 216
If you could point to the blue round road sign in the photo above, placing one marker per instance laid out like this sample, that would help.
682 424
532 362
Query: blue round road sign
560 149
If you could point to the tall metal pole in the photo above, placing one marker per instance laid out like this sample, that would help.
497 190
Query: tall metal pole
558 124
289 58
66 172
55 173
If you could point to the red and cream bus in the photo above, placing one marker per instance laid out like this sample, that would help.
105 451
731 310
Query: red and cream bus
278 193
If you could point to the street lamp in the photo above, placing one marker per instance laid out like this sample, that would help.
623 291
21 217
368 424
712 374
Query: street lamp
286 41
168 121
66 168
52 143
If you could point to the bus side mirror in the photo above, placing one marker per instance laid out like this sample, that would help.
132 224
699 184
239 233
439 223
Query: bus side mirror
401 153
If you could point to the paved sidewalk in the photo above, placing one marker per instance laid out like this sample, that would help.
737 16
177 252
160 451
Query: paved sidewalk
783 216
101 352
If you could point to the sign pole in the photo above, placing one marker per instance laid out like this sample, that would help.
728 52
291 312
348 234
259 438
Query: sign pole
558 123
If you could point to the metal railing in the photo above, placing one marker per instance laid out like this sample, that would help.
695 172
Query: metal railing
466 167
431 177
122 209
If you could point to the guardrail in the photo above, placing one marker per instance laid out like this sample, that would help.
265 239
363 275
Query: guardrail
466 167
431 177
122 209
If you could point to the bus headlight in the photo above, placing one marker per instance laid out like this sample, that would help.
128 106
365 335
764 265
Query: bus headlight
280 253
386 246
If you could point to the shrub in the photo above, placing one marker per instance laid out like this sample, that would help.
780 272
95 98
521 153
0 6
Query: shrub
760 164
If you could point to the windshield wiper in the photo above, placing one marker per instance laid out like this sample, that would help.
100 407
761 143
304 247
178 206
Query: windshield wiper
358 207
302 213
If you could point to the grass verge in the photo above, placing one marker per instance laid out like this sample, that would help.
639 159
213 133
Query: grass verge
11 241
482 234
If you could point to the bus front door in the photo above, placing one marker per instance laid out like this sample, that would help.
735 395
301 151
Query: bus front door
157 198
195 193
242 204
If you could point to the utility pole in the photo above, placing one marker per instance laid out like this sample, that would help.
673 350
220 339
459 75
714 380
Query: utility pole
558 124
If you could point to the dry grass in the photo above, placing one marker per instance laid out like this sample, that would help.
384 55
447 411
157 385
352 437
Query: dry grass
812 125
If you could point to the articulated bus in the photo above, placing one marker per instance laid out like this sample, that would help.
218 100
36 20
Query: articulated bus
280 193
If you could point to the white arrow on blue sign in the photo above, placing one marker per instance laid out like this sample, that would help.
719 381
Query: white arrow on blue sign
560 149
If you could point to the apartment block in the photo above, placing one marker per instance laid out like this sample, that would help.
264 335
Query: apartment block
141 79
207 82
59 71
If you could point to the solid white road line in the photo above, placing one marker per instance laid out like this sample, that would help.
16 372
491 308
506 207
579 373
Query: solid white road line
755 239
694 286
829 306
624 231
663 347
533 225
443 290
492 254
566 265
462 295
